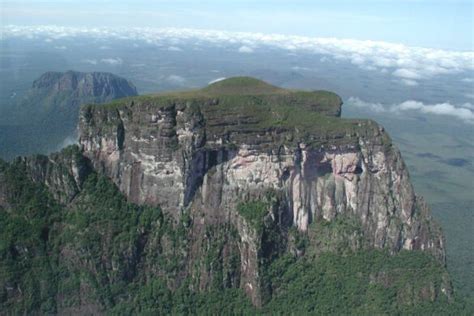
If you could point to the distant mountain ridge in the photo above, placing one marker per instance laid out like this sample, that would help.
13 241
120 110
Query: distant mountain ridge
57 93
103 85
48 113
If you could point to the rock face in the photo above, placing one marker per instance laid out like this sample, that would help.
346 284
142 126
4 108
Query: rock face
239 141
62 173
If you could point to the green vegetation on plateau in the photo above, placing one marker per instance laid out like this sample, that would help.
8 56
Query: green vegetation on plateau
243 105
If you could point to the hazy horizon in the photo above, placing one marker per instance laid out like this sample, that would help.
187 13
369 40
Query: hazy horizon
425 23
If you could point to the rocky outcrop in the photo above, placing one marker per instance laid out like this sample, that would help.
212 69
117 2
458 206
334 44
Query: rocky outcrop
62 173
209 151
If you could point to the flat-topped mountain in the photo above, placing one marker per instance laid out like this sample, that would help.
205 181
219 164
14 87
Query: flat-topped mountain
183 202
239 141
48 113
57 95
93 87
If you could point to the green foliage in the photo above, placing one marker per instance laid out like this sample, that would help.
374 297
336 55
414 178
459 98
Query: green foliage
104 252
457 217
114 256
300 239
366 283
103 226
27 259
340 235
253 212
241 85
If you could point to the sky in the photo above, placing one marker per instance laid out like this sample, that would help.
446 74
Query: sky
445 24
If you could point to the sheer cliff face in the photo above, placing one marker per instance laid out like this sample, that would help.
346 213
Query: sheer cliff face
210 151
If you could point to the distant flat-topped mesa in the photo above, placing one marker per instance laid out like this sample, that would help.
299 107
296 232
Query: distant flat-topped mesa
48 113
242 140
102 85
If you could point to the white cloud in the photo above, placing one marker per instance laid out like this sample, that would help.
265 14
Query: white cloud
299 68
245 49
217 80
90 61
438 109
409 82
404 62
358 60
468 105
468 80
174 49
112 61
384 62
376 107
463 112
60 47
469 95
175 79
407 74
70 140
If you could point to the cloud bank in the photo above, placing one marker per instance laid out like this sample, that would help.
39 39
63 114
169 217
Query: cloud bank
245 49
464 112
175 79
174 49
408 65
112 61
